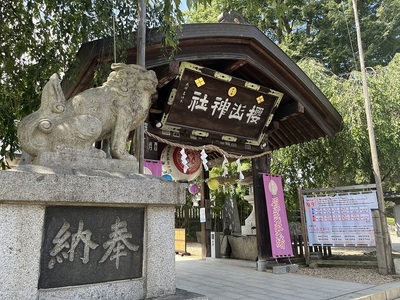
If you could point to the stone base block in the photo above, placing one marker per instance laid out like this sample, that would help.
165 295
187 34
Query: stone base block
29 199
396 262
243 247
262 265
283 269
81 161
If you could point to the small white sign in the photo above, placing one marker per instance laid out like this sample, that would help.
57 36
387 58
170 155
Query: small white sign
202 215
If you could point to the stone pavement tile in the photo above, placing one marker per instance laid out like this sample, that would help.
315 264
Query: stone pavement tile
182 295
232 295
265 296
219 280
392 290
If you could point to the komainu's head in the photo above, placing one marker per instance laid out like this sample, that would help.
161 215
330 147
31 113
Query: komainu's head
126 79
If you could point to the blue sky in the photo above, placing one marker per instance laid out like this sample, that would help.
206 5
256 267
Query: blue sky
183 5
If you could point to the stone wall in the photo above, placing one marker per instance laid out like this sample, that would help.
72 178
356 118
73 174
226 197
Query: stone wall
26 192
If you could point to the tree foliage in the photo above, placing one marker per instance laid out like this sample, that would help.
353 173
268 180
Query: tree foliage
230 189
345 159
324 30
41 37
321 36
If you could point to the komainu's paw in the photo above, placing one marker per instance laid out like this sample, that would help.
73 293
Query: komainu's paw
122 156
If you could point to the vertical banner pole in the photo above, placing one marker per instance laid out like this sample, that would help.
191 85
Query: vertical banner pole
303 227
141 61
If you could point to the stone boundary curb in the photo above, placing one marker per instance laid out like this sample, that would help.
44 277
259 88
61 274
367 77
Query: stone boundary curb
387 291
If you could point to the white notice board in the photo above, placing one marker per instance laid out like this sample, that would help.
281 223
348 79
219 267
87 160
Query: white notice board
340 219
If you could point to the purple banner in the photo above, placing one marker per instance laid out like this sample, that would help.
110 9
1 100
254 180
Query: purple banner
152 167
277 218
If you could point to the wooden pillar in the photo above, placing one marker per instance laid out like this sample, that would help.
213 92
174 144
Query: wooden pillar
205 226
304 227
261 165
380 249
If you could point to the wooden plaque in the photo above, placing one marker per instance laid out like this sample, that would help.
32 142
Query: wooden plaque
207 103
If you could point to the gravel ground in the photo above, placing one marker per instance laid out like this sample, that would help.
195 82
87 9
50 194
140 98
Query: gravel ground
360 275
355 274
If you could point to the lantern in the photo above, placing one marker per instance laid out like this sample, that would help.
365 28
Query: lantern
193 189
213 184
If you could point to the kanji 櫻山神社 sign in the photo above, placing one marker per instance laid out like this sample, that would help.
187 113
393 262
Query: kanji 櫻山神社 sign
214 105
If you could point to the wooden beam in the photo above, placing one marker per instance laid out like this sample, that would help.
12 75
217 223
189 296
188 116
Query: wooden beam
346 263
167 73
218 161
292 133
272 143
233 67
273 126
281 139
288 110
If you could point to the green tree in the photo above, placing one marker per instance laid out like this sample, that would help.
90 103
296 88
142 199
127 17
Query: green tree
324 32
345 158
41 37
320 29
230 188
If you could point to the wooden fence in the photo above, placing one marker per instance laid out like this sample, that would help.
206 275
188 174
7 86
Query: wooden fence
193 219
193 214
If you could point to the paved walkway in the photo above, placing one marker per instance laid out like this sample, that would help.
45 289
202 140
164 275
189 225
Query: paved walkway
218 279
225 279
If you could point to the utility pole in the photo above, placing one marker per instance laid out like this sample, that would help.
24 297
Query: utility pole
141 61
387 268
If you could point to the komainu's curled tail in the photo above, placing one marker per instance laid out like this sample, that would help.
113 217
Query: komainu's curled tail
34 130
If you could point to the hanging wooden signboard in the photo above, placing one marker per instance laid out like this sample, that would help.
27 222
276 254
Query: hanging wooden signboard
215 106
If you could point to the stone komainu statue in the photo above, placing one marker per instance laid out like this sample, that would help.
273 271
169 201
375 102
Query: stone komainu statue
120 105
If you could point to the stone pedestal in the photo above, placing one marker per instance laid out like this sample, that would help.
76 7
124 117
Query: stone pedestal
283 269
77 202
243 247
231 215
